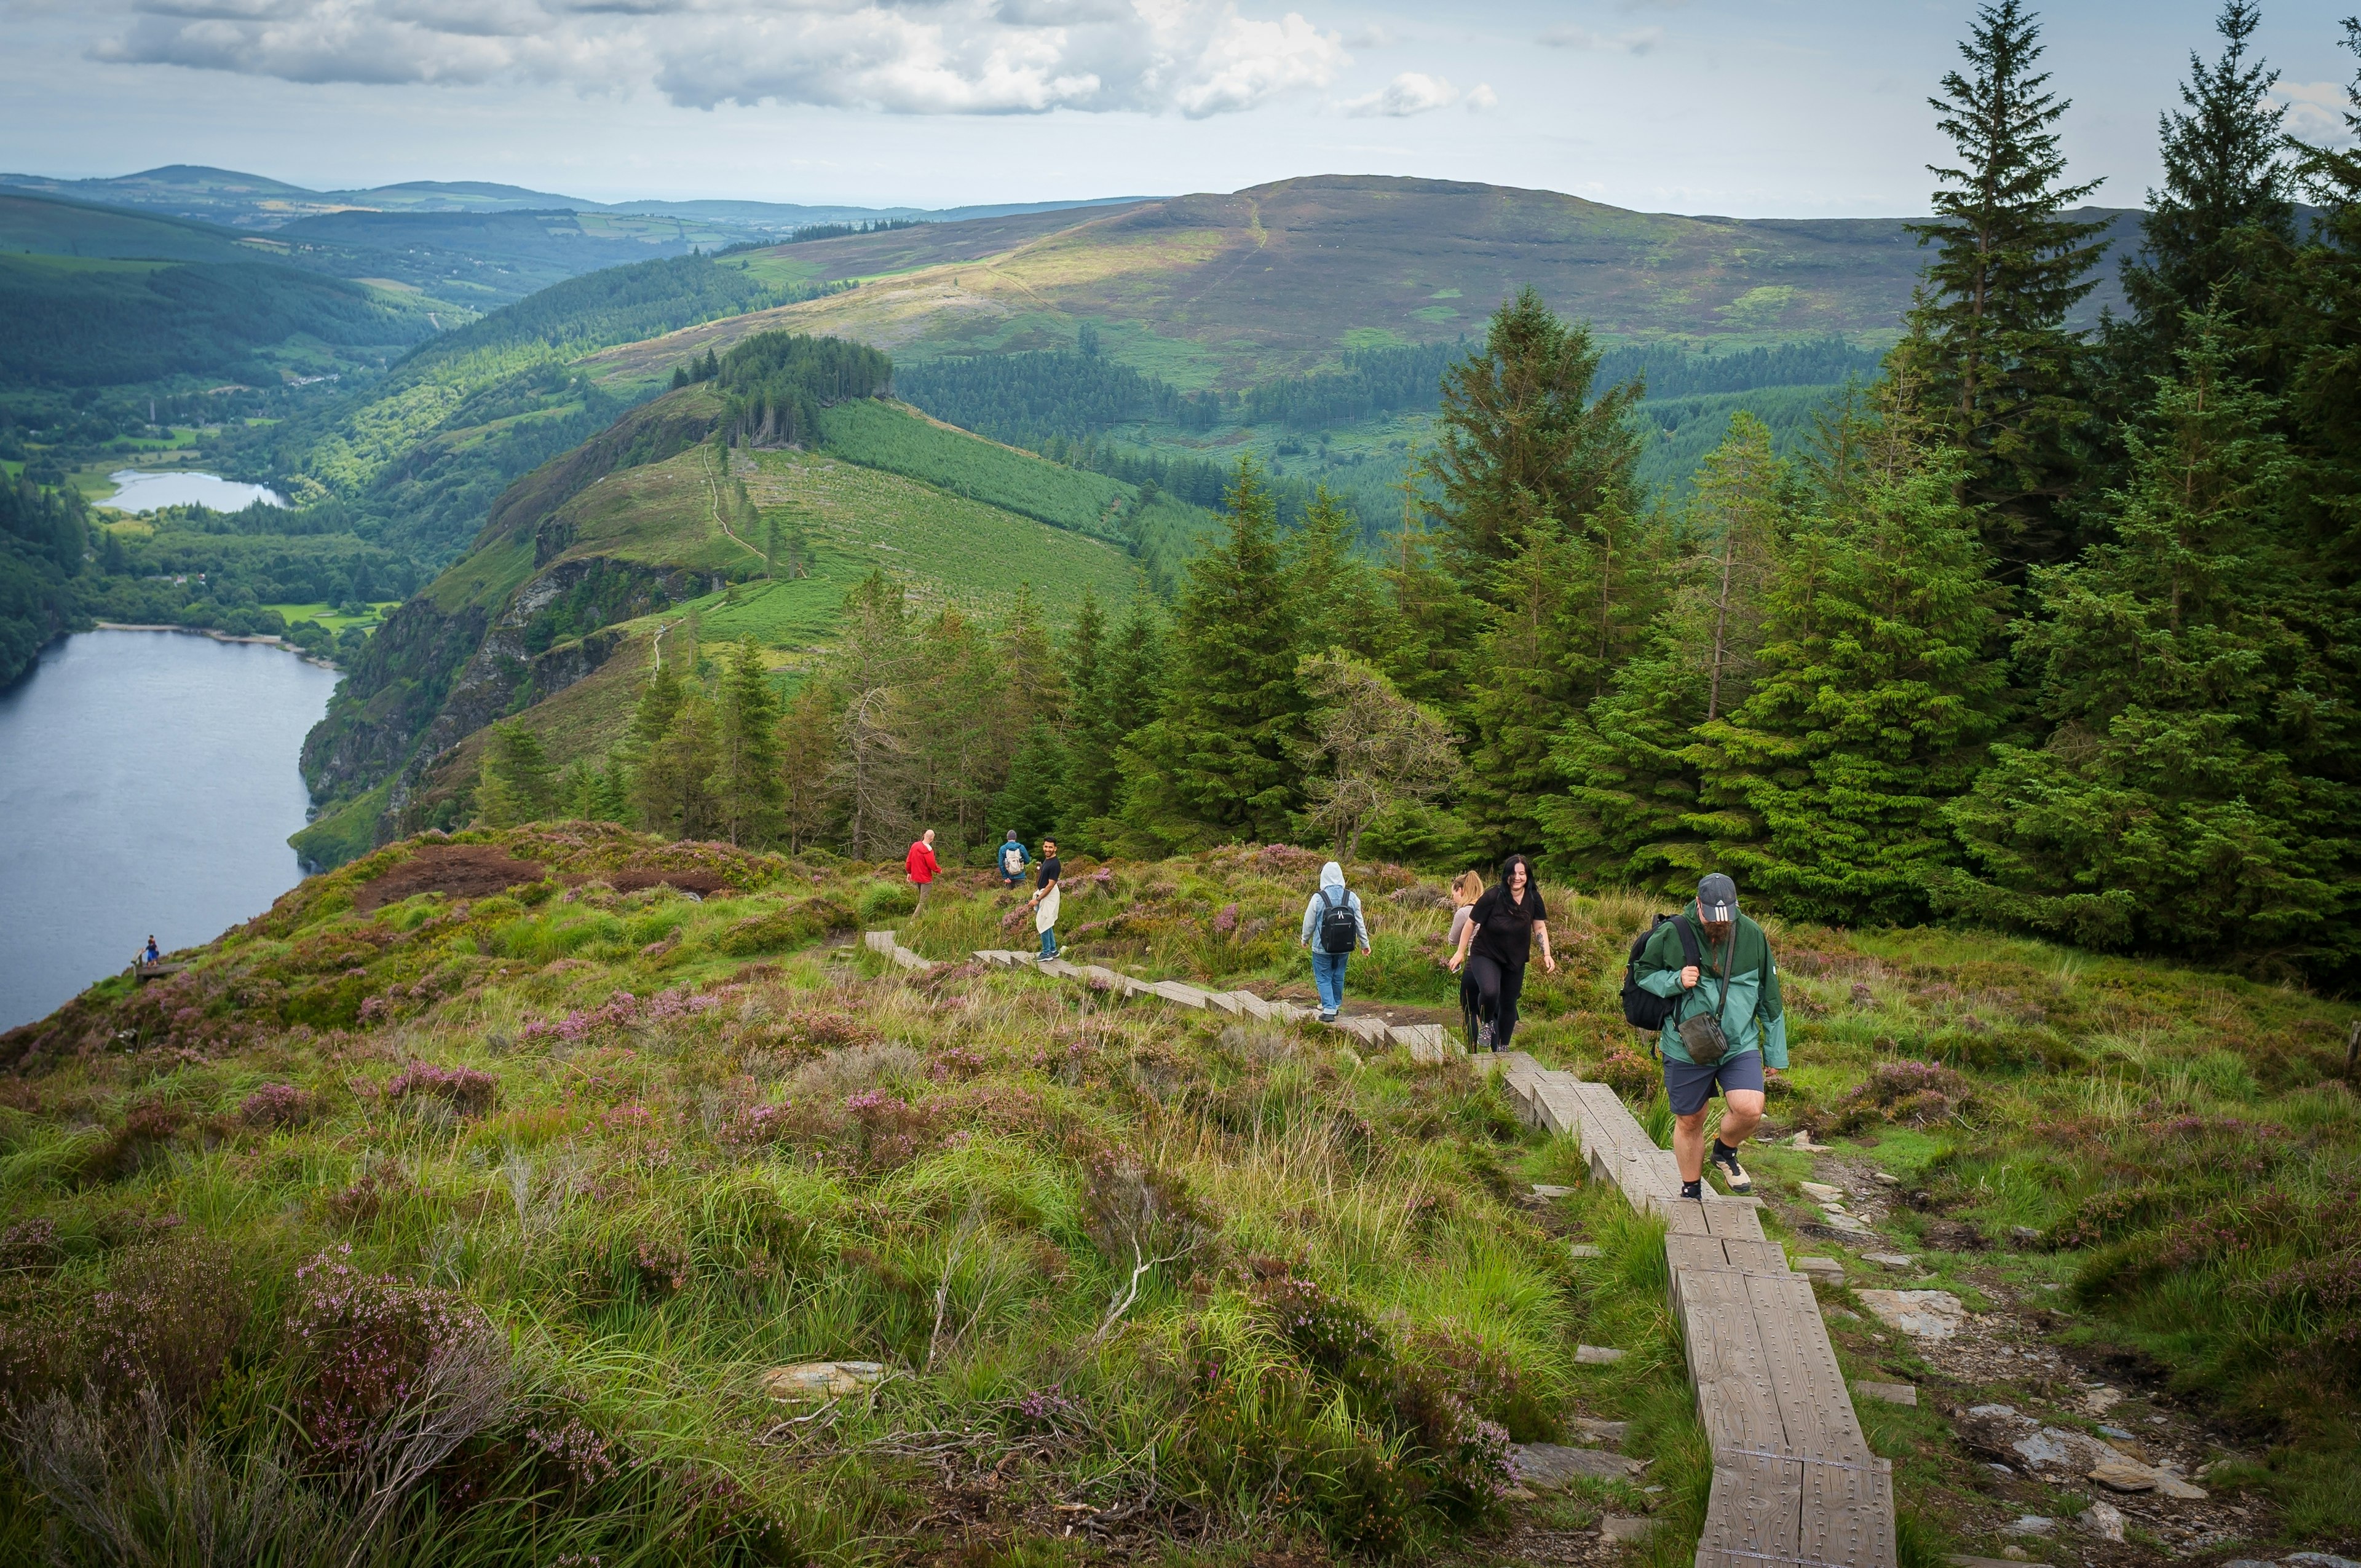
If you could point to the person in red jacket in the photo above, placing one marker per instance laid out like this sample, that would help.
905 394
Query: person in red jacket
922 866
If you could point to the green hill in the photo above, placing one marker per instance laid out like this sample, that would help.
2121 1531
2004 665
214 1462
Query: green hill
592 1135
587 562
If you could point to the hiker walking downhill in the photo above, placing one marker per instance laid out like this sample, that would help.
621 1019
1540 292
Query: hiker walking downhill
1044 902
1726 1023
1497 943
922 867
1013 858
1332 925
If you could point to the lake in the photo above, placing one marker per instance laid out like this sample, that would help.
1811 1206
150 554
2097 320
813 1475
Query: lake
147 784
138 491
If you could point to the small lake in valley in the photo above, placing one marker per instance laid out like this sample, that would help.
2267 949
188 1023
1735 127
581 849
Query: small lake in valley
147 784
138 489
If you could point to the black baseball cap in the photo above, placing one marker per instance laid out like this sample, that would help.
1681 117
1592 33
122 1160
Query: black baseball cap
1717 898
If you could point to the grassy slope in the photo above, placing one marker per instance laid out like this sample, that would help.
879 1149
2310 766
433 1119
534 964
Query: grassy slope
940 1183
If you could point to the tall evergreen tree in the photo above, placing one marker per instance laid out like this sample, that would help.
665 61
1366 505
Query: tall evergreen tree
1031 800
1122 693
2323 332
518 785
653 714
872 773
671 790
807 733
747 789
1632 810
2223 213
1219 764
2198 793
1336 593
1988 349
1520 439
1878 685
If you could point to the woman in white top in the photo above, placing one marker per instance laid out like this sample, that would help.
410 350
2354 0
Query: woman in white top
1466 889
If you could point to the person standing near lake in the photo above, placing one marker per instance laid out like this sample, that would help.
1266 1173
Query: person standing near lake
922 867
1726 1025
1497 944
1044 902
153 955
1332 925
1013 858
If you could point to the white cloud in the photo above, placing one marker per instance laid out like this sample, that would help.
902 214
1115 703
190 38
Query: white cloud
1481 97
1372 35
1638 40
2316 111
925 57
1411 92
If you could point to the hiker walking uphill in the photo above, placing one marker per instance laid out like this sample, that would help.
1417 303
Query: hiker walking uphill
1044 902
1332 925
1497 944
1724 1024
922 867
1013 858
1466 889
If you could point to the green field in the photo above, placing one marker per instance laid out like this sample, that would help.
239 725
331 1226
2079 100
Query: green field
331 621
896 438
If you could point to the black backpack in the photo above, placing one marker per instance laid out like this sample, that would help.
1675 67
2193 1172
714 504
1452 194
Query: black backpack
1339 932
1645 1009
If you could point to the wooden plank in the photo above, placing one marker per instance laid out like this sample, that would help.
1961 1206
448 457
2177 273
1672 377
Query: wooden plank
1753 1511
1174 991
1733 1222
1755 1257
1250 1004
1814 1401
879 942
1847 1516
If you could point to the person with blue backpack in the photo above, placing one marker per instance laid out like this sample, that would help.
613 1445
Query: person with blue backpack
1705 981
1332 927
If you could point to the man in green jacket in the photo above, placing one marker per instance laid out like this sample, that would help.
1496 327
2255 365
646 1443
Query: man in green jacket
1736 981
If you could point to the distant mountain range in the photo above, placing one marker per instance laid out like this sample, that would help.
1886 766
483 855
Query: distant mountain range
259 202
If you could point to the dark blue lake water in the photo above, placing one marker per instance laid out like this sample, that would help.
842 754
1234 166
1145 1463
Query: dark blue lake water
147 784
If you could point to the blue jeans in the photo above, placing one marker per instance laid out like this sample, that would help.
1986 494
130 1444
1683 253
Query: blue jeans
1328 974
1049 943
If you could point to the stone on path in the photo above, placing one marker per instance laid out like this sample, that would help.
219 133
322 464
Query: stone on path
1542 1190
1813 1263
1626 1527
1823 1192
1889 1259
1923 1314
1548 1466
2102 1520
1609 1432
1596 1356
2319 1560
1804 1141
2031 1524
1838 1219
2123 1475
1890 1393
1962 1560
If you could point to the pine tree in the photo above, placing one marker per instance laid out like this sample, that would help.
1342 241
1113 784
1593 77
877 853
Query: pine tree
651 716
1336 595
807 733
1429 618
2198 792
872 772
747 789
1878 685
1520 438
1988 344
1219 764
2223 212
518 785
1029 801
1632 811
1523 677
672 791
2323 338
1122 694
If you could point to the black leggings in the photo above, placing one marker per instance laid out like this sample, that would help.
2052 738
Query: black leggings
1497 986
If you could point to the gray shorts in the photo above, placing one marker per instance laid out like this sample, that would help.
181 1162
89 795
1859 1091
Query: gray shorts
1689 1086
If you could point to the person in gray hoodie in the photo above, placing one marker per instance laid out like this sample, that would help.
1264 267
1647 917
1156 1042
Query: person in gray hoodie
1333 925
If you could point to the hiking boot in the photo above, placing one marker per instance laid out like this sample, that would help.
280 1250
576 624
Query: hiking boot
1734 1175
1484 1037
1693 1189
1327 1017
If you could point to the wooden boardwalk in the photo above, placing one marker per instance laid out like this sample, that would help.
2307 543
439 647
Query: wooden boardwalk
1793 1481
1795 1484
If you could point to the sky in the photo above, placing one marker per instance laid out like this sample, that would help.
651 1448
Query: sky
1769 108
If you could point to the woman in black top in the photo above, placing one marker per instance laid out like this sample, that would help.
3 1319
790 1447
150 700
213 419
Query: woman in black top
1497 944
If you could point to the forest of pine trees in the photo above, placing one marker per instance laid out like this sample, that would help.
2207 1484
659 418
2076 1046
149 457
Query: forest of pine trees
2052 630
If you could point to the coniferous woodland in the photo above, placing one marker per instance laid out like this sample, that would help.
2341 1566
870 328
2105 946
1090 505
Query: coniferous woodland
2051 630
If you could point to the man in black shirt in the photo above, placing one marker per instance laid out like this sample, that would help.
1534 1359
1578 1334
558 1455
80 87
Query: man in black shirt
1044 902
